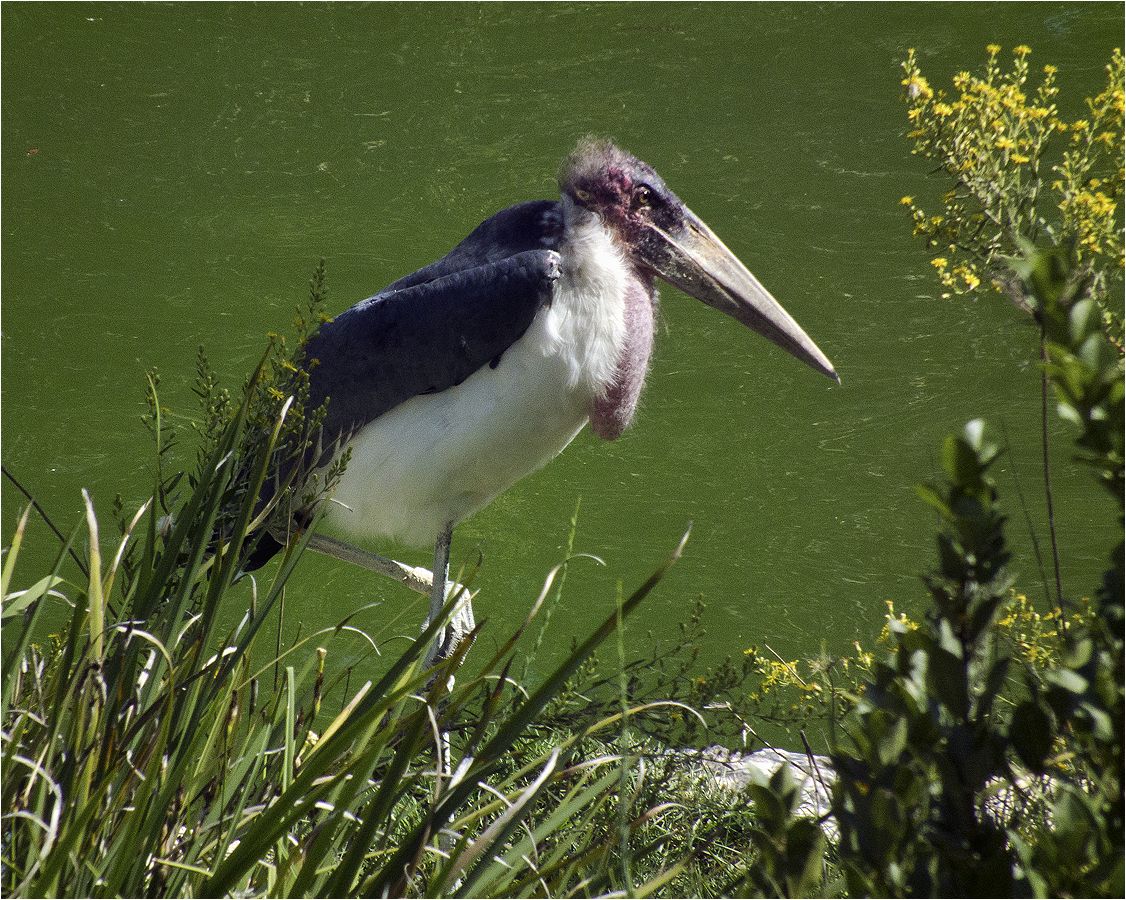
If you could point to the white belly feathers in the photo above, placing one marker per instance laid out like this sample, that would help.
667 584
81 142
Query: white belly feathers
438 458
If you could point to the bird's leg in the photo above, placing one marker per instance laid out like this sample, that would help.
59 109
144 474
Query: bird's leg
436 585
438 590
416 578
461 621
445 643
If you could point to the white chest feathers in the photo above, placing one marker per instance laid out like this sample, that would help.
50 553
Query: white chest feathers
438 458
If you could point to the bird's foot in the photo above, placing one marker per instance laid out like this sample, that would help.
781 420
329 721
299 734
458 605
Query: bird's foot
459 627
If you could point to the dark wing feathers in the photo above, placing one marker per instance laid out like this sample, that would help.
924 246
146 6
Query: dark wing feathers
424 338
429 331
534 225
434 328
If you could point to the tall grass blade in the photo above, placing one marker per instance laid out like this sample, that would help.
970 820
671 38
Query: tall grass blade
94 594
495 834
391 879
13 554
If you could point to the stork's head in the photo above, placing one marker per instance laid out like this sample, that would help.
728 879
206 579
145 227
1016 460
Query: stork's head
663 237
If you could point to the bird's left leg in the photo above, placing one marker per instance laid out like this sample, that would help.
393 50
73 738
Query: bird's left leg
445 644
416 578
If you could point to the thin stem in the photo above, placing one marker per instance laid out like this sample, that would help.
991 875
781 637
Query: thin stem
1047 467
46 518
1036 552
627 758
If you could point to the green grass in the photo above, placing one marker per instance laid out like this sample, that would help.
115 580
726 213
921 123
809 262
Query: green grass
149 751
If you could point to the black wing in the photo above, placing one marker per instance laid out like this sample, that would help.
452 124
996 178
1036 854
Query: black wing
424 338
535 225
434 328
429 331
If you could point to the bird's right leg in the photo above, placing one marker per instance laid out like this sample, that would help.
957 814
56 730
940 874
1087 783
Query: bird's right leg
416 578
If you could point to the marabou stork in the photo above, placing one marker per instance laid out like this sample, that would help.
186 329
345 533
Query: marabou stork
453 383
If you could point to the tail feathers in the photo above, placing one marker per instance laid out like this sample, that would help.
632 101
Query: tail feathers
265 550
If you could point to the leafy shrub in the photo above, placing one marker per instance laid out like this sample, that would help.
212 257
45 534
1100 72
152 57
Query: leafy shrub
1019 172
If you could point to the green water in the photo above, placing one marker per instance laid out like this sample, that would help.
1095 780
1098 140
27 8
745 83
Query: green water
172 174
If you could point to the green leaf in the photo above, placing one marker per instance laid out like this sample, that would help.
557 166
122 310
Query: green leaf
1100 722
1085 317
948 676
1032 734
1067 680
1074 822
18 601
960 462
994 683
933 498
805 846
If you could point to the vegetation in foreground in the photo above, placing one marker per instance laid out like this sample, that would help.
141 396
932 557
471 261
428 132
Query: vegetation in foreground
147 751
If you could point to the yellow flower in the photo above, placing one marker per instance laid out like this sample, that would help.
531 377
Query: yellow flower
940 262
1019 158
906 201
863 657
1022 51
917 86
1005 143
992 49
1050 70
943 109
968 277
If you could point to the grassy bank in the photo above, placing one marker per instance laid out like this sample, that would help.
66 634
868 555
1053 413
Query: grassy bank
148 751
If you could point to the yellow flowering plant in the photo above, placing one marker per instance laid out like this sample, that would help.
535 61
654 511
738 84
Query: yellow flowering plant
797 693
1020 173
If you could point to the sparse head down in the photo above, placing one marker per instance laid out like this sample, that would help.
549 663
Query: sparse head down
662 237
601 175
625 192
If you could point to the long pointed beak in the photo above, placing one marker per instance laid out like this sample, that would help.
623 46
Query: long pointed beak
691 257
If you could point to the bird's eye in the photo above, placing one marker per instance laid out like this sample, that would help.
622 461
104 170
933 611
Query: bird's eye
642 197
582 195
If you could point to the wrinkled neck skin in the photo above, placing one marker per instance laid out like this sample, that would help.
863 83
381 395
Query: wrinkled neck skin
626 304
612 413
